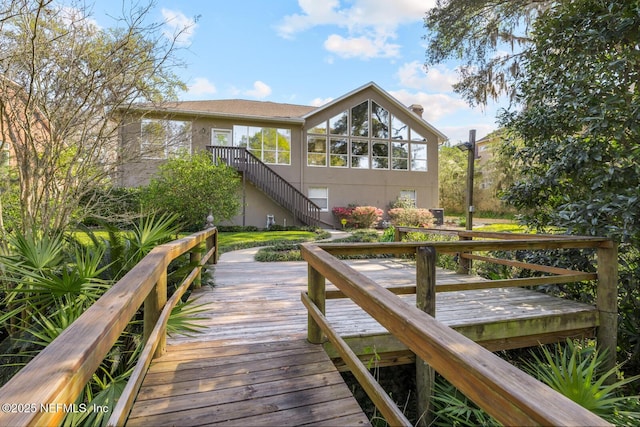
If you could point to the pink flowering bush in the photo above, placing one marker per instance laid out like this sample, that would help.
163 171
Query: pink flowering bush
358 216
411 217
366 216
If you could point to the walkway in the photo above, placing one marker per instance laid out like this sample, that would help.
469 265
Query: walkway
252 364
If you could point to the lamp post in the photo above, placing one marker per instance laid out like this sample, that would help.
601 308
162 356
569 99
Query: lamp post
470 148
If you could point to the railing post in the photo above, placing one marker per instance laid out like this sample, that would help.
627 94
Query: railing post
607 303
317 294
153 305
464 264
212 242
425 301
195 257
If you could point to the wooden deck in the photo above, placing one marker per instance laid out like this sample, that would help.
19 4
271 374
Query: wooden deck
253 366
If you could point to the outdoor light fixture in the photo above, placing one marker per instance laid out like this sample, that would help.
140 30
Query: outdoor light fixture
465 146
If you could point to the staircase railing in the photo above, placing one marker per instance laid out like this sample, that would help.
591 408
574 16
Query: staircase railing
272 184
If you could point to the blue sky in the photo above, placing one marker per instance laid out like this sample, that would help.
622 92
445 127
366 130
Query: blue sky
310 52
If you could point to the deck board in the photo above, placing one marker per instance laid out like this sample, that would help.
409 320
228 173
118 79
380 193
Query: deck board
252 364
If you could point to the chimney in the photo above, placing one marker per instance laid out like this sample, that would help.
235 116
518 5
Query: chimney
417 109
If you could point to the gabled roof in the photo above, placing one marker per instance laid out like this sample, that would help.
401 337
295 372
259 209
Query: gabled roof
242 107
442 137
266 110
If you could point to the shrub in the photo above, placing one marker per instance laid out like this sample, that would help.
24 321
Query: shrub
358 216
191 186
411 217
366 216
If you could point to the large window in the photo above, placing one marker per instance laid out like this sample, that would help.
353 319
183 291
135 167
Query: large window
270 145
163 138
366 136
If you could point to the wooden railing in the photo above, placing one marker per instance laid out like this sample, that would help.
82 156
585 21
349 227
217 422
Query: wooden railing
506 393
272 184
42 392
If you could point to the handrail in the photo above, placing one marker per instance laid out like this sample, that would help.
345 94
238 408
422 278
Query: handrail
42 391
505 392
269 181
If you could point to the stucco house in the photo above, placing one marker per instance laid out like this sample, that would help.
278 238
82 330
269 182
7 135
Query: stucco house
297 162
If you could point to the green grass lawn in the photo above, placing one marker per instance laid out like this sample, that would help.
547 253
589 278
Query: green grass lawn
230 241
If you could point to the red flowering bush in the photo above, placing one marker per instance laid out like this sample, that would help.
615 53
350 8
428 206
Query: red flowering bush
358 216
411 217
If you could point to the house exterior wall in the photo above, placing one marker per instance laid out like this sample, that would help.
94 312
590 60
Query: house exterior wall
373 187
344 185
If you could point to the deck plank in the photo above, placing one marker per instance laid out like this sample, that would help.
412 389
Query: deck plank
252 364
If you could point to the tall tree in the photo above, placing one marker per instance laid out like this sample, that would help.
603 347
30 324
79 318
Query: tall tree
580 133
489 36
63 84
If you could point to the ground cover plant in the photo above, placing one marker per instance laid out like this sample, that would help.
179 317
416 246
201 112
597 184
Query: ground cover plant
49 281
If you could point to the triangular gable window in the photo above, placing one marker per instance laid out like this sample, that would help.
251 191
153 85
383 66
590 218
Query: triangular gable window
366 136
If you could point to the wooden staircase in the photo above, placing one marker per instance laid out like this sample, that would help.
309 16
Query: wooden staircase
269 182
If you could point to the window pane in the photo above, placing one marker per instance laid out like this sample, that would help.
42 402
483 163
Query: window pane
255 139
360 119
399 130
320 128
379 121
415 136
360 154
338 150
152 144
380 155
400 155
320 196
338 124
221 137
240 136
316 151
418 157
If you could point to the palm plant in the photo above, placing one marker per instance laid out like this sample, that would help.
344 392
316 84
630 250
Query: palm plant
48 282
575 371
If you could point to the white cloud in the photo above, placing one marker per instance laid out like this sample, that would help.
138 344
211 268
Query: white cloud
438 79
436 106
201 87
260 90
458 134
178 26
369 24
361 47
318 102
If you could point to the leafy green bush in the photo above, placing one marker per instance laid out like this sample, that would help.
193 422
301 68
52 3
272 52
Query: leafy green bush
119 206
191 187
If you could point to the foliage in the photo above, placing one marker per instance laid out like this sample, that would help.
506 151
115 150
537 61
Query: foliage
48 281
191 186
578 135
574 370
65 84
358 216
119 206
230 241
279 252
452 175
411 217
366 216
452 408
488 35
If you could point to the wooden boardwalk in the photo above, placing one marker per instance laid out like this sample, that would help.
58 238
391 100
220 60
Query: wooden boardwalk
253 366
